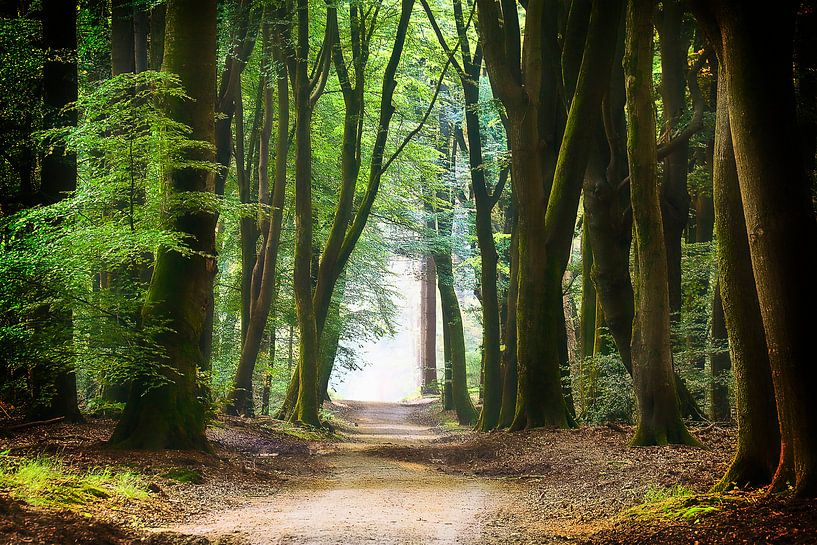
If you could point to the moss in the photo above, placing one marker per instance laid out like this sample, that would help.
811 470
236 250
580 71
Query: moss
184 475
678 503
46 481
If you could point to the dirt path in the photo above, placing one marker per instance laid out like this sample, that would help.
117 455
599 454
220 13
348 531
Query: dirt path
368 498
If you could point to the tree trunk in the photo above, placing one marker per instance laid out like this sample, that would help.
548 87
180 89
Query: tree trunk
756 54
264 272
305 409
428 326
674 196
588 309
330 338
509 376
172 415
758 448
719 363
58 177
659 416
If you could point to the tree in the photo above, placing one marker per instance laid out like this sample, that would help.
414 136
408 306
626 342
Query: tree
758 448
55 382
264 271
173 415
546 179
659 418
468 70
754 47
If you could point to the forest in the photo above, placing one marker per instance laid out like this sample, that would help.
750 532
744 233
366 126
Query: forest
408 272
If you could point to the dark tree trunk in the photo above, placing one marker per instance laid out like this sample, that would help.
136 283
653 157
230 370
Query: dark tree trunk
755 46
172 415
659 416
758 446
156 46
674 44
58 177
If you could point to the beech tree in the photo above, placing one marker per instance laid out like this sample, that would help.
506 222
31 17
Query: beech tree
547 180
659 417
778 210
173 415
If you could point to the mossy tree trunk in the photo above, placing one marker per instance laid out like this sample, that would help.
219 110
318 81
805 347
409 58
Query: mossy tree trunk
755 51
758 447
659 416
347 228
547 185
173 414
305 408
456 380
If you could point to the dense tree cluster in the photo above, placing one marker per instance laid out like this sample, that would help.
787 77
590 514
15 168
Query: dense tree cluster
199 197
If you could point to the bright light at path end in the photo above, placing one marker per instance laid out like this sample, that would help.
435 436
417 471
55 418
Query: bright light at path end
391 372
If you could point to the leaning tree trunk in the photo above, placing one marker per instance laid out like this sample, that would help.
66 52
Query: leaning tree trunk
756 54
758 448
659 416
172 415
264 272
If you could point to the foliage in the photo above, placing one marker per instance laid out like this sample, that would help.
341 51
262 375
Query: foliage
607 390
88 254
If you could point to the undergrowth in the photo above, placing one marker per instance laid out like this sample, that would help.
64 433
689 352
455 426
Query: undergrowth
678 503
48 482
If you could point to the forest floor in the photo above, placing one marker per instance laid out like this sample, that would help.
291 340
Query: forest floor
400 473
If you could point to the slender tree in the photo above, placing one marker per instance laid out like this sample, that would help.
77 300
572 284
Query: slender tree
659 416
264 271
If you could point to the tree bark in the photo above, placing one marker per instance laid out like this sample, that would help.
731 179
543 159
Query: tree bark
719 363
659 416
755 47
428 326
172 415
305 409
674 45
758 447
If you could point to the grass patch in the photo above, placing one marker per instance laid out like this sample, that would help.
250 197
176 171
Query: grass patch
677 503
183 475
45 481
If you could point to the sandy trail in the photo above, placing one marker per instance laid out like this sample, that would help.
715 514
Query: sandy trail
371 499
